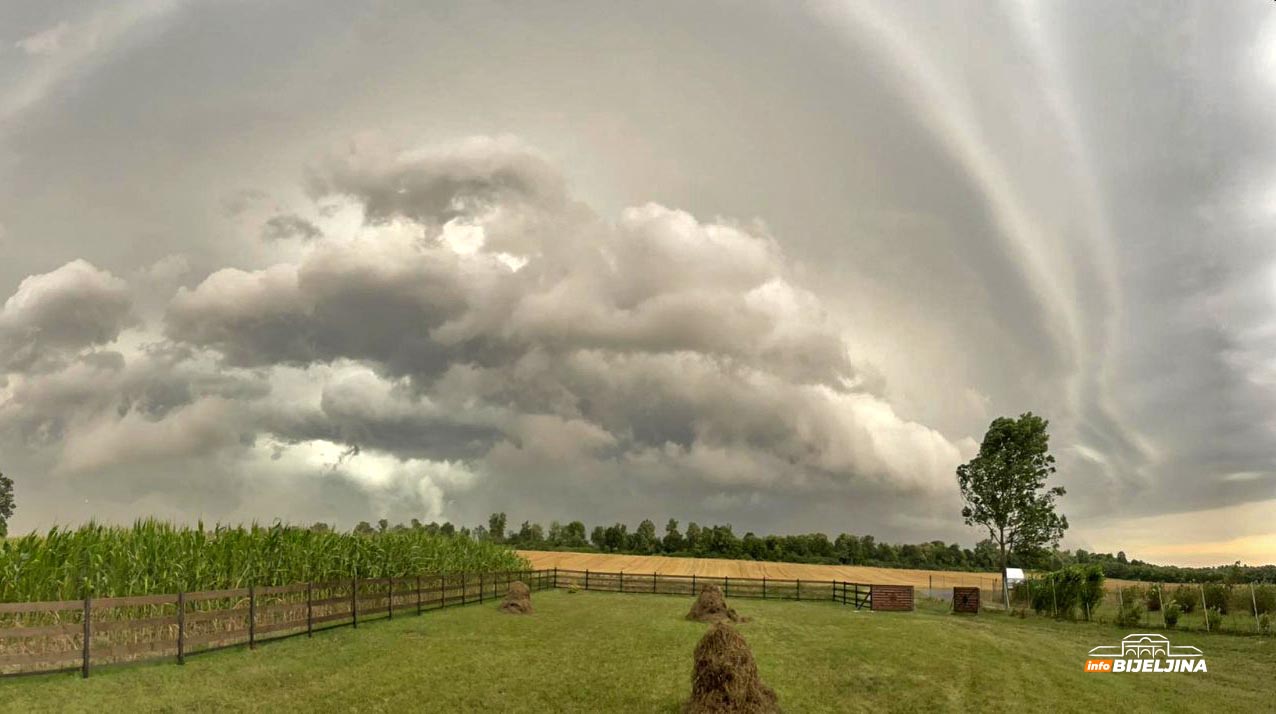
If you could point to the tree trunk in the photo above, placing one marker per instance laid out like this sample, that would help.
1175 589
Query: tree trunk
1005 587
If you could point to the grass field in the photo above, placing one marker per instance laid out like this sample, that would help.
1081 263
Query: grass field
587 652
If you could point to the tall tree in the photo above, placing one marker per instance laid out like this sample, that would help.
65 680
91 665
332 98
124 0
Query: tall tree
6 504
496 527
1004 489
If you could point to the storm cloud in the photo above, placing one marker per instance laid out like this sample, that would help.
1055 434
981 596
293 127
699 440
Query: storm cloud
772 265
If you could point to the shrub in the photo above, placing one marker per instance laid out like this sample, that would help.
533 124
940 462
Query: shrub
1131 610
1070 591
1255 600
1187 597
1153 598
1171 613
1214 617
1217 596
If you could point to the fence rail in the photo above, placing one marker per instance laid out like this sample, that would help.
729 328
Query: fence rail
80 634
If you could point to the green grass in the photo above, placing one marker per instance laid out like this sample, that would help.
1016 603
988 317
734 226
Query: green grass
588 652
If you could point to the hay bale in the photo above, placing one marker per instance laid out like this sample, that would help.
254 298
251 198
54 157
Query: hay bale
711 606
518 601
725 677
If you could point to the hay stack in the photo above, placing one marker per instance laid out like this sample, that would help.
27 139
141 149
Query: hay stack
711 606
725 678
518 601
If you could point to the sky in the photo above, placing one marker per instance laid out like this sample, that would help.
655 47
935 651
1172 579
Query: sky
776 265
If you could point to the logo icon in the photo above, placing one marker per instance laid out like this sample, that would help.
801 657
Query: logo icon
1146 652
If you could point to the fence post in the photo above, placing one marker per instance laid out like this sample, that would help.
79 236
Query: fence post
481 588
418 594
88 635
1120 602
310 609
354 602
622 581
1254 600
726 585
1205 610
464 585
1054 597
693 584
181 627
763 587
653 583
1160 599
389 597
799 588
586 578
252 617
442 590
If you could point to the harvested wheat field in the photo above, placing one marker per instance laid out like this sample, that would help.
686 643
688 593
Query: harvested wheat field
718 567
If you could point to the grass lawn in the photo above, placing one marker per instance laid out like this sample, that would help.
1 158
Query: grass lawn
588 652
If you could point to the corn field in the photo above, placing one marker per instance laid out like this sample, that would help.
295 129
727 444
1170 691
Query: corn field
155 557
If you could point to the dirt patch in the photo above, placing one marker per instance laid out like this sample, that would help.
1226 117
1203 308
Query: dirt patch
518 601
725 677
711 606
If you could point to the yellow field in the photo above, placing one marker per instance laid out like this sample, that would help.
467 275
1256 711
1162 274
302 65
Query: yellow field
716 567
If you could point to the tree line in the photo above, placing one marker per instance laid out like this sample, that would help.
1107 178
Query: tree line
721 541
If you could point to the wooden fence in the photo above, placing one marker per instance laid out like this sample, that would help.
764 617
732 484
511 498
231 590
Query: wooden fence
856 594
79 634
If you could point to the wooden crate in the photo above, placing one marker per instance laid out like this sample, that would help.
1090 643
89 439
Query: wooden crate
892 597
966 600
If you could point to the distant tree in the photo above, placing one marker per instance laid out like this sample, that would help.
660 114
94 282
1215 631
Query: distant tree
496 527
416 525
599 537
447 529
616 537
555 536
644 538
318 527
673 539
1004 489
479 533
6 504
364 528
383 525
574 535
693 537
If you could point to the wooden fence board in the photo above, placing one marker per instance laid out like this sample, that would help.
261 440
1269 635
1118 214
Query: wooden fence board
133 601
117 625
45 606
28 660
216 594
74 628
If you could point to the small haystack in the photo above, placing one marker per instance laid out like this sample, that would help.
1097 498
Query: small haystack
711 606
725 678
519 599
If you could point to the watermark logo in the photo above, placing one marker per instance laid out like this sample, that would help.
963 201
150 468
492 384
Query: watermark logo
1145 653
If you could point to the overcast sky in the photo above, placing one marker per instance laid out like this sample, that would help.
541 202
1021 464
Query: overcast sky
773 265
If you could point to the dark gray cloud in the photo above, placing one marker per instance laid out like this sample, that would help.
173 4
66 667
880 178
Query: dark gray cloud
285 226
769 264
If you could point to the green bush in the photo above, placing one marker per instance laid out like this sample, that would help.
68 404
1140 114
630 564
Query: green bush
1187 597
1255 600
1153 598
1130 613
1217 596
1214 617
1072 591
1171 614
